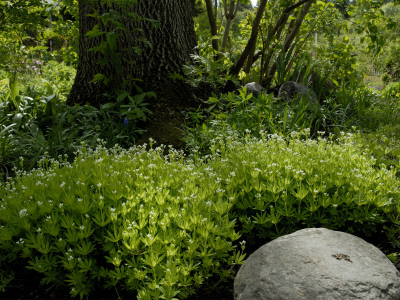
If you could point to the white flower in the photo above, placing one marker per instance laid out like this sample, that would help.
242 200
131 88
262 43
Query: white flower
62 184
23 212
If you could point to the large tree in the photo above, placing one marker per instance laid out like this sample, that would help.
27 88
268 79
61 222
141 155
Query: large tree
121 41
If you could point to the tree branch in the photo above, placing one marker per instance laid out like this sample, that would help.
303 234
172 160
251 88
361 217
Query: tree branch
252 40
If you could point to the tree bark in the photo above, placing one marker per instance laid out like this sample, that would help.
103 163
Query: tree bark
163 49
229 16
144 55
212 19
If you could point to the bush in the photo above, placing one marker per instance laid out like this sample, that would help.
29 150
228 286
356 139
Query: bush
386 78
165 225
244 112
123 219
32 124
282 185
392 92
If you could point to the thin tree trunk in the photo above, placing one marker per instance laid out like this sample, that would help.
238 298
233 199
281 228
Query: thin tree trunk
212 19
275 34
229 16
250 59
252 40
291 35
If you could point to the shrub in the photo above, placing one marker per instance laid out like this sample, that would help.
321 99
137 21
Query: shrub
55 78
282 185
392 92
386 78
32 124
165 225
125 219
245 112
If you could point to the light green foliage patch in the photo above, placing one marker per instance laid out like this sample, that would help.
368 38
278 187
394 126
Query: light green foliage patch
129 219
165 225
281 185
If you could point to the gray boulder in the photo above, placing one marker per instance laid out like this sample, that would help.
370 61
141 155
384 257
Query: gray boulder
254 87
290 89
317 264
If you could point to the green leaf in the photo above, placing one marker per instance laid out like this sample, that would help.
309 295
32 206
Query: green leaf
98 78
112 40
95 32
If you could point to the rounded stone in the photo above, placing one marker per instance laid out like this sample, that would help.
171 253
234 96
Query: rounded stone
317 264
290 89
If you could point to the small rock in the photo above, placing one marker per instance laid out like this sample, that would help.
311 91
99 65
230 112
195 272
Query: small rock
254 88
290 89
317 264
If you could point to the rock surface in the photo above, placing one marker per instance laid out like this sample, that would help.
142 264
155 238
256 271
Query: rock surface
254 87
290 89
317 264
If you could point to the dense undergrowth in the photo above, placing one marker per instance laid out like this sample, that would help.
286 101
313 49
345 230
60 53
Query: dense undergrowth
161 226
89 211
85 214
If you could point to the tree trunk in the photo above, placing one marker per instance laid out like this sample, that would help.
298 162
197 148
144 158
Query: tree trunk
294 28
163 49
229 16
212 19
142 51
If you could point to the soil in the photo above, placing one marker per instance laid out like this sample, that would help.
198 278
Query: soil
27 287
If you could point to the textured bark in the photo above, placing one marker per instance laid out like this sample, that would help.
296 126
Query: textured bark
172 42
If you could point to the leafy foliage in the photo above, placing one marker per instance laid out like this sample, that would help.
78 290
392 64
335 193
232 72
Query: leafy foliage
165 225
36 121
130 220
160 226
279 187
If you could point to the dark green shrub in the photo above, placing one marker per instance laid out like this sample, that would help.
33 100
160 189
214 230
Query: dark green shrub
386 78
